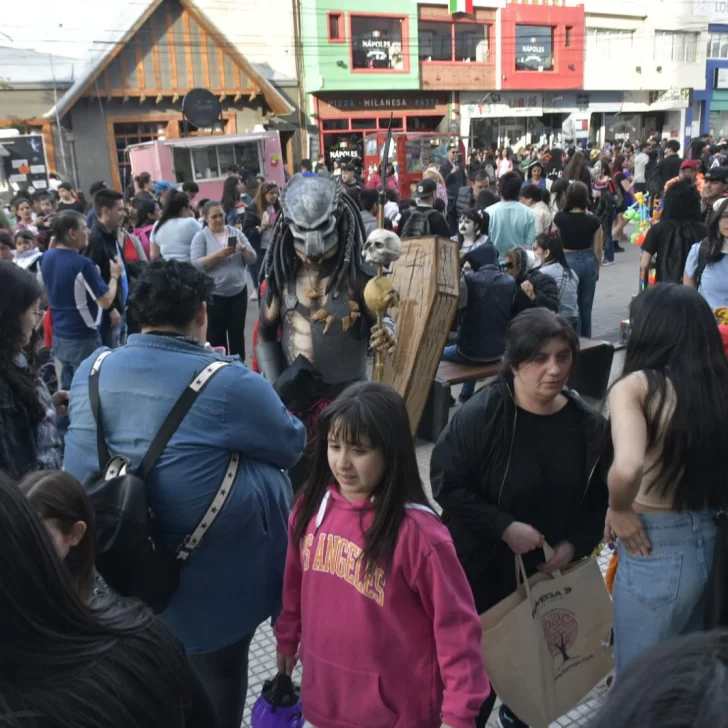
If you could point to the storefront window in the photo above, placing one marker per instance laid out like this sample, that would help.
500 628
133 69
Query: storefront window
534 48
363 123
377 43
463 42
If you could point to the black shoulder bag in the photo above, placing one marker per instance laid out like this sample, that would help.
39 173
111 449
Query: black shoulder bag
131 554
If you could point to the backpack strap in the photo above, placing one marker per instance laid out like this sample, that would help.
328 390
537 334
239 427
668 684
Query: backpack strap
93 389
702 261
169 426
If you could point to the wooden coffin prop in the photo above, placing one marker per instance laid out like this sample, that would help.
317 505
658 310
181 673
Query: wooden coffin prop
427 278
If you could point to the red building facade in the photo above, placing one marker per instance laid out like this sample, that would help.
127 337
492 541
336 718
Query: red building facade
542 47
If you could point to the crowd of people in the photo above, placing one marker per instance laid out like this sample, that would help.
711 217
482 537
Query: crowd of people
374 586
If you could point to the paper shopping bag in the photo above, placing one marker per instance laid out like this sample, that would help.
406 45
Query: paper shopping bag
544 645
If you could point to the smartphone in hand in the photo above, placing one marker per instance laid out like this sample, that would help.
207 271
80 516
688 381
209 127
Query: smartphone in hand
232 242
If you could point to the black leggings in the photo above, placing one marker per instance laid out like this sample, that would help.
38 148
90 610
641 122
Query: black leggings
225 675
226 322
486 709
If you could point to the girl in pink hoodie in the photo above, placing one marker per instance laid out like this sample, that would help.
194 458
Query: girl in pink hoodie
375 602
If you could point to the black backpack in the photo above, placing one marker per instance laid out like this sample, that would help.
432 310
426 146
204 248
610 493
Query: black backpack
417 224
131 554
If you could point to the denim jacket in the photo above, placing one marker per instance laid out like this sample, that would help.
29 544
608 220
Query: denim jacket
233 581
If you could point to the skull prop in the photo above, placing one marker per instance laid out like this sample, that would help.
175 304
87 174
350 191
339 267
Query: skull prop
309 205
382 247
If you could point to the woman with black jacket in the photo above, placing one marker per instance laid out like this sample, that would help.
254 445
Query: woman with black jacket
67 664
258 224
522 464
28 436
533 288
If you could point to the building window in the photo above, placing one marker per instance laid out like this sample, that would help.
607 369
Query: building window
376 43
676 47
567 37
336 28
534 48
605 44
134 133
718 45
459 42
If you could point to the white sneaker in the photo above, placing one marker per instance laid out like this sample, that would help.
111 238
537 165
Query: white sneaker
254 297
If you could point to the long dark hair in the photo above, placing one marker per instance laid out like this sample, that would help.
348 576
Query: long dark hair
260 203
174 203
552 243
230 197
19 290
715 239
376 413
59 496
59 659
575 167
675 342
144 210
683 682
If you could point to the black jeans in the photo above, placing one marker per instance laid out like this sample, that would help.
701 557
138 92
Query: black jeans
224 673
226 322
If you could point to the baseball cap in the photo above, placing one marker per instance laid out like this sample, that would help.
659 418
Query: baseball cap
66 186
717 174
690 164
162 186
426 187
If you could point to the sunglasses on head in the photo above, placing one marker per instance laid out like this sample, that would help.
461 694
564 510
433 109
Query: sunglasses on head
508 266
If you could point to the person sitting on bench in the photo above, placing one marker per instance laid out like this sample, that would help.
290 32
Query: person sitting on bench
534 289
486 302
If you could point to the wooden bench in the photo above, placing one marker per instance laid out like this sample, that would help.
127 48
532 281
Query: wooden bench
590 379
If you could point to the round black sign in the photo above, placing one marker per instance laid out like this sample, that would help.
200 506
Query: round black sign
201 107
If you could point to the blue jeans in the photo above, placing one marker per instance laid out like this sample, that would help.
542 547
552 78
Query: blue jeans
112 336
662 596
608 239
584 264
71 352
451 354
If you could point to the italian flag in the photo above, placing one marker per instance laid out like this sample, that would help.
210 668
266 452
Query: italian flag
461 6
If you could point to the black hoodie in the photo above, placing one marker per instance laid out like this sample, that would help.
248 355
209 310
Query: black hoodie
677 231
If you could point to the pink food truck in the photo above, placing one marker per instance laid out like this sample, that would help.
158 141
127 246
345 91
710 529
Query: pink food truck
208 160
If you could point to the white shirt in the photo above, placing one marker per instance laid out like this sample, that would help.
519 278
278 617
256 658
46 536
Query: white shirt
640 162
175 237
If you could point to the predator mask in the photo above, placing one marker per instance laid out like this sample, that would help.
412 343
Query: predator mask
310 208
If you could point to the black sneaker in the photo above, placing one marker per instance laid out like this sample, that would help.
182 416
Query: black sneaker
506 719
618 248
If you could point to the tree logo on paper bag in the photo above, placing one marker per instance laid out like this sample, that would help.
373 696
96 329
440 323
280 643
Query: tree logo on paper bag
561 630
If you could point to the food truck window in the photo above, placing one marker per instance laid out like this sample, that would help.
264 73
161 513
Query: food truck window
205 163
248 155
214 162
182 164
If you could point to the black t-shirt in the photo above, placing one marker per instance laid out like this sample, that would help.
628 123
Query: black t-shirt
76 206
577 229
670 167
548 471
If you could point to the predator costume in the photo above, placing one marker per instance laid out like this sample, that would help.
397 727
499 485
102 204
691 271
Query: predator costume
314 327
